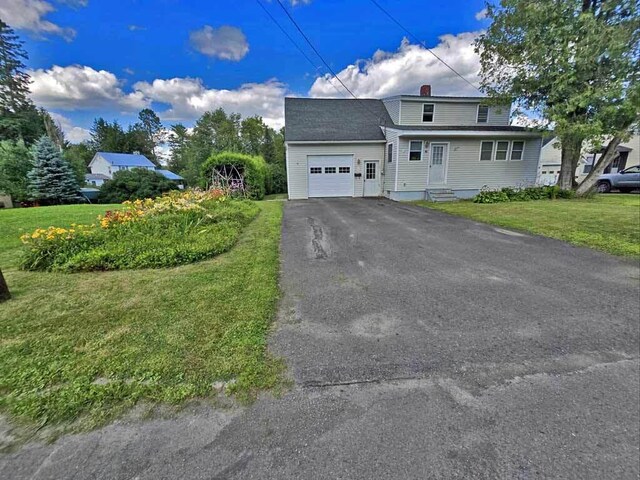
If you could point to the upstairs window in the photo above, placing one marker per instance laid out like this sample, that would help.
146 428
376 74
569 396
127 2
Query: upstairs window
427 112
517 150
483 114
390 152
486 151
415 150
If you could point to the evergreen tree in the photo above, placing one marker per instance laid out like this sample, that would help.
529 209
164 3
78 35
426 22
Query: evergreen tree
14 82
268 146
51 181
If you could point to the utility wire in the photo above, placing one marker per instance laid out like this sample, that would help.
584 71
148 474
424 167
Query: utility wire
326 64
421 43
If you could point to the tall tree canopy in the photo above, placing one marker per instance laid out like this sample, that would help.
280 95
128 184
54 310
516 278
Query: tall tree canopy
574 62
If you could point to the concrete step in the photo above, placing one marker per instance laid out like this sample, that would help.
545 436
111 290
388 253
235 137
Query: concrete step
441 195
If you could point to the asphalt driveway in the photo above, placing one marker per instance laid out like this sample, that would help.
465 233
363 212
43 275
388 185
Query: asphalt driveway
422 346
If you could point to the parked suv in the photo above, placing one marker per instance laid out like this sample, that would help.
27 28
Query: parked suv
625 181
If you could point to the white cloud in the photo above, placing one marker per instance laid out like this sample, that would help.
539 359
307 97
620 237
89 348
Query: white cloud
482 14
78 87
188 98
403 71
29 15
136 28
72 133
226 42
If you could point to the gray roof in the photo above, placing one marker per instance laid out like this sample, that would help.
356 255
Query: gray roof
334 119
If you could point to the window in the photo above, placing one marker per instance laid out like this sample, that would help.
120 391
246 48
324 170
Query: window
517 149
635 169
415 150
544 172
587 168
486 151
344 169
483 114
390 152
315 170
370 171
502 148
427 112
329 169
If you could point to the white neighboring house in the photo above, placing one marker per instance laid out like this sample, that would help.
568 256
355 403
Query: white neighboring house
628 155
105 164
407 147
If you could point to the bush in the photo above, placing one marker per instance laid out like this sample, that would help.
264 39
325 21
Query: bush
253 171
276 178
135 184
511 194
179 228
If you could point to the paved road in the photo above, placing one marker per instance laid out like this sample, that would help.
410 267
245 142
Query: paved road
422 346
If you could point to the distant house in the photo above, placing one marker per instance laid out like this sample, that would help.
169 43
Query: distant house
627 155
105 164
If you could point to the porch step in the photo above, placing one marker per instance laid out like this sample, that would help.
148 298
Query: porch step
441 195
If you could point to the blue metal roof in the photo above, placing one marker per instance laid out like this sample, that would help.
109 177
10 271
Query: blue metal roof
170 175
126 159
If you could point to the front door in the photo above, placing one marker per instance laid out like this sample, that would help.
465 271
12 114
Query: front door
371 179
438 163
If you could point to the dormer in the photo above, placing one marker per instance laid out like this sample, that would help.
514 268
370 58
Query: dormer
431 110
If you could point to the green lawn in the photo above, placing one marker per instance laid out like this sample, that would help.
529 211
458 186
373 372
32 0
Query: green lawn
88 346
610 223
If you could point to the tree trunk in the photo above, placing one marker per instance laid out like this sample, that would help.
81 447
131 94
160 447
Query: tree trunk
605 160
571 148
4 289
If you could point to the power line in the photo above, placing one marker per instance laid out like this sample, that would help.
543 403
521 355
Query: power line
421 43
287 34
326 64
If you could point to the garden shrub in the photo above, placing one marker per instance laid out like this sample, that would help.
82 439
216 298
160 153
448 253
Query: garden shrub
135 184
178 228
253 171
276 178
521 194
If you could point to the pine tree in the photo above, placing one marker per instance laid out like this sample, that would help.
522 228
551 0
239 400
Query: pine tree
14 82
51 181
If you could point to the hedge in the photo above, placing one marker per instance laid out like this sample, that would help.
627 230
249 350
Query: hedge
254 171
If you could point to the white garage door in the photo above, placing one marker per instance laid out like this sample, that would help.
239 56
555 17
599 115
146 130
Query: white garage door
330 175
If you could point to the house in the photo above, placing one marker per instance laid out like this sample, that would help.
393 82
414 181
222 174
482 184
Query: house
627 155
406 147
105 164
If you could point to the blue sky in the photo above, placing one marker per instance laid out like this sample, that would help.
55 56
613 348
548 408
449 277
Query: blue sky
93 58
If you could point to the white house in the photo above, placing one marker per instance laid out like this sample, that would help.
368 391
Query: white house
407 147
105 164
628 155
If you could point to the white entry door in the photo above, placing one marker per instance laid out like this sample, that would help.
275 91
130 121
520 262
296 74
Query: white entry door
330 175
371 179
438 163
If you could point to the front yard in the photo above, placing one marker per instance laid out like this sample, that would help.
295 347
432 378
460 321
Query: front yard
85 347
610 223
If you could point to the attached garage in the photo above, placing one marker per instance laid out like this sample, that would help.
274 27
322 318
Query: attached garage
330 175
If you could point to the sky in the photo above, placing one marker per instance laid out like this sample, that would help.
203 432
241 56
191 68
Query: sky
111 58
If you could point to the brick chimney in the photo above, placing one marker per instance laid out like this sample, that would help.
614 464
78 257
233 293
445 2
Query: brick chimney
425 91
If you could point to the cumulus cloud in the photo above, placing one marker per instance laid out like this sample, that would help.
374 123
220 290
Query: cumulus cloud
226 42
403 71
30 15
79 87
482 14
188 98
72 133
136 28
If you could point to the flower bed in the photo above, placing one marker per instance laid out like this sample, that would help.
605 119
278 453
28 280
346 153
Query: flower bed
177 228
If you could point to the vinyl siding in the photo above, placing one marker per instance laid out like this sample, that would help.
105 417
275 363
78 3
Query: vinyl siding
100 165
297 163
390 168
451 113
464 169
